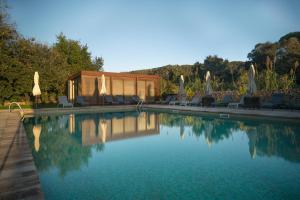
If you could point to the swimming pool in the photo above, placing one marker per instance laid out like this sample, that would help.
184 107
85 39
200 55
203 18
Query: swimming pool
152 155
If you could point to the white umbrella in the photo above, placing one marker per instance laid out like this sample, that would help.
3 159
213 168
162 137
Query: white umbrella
36 88
103 87
181 91
251 80
208 88
181 85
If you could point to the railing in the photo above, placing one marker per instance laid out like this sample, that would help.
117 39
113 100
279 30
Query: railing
139 104
20 108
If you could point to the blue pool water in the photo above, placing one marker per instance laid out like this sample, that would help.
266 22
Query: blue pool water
152 155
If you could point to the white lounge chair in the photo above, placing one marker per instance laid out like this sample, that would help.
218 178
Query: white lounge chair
196 101
62 100
236 104
184 101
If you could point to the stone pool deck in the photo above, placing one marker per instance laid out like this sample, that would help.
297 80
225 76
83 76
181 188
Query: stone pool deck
276 113
18 175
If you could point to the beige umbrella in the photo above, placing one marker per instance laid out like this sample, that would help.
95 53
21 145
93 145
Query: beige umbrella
181 85
251 80
181 92
36 132
103 126
208 88
36 88
103 87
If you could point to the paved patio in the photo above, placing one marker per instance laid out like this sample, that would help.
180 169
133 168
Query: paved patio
276 113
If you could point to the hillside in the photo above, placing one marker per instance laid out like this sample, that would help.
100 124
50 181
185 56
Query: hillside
233 74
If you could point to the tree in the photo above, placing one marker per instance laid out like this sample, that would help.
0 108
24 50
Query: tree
76 55
98 63
261 51
21 57
286 51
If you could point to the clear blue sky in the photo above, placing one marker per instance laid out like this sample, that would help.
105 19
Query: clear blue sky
137 34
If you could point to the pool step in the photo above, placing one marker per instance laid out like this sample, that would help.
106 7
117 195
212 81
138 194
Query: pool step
224 115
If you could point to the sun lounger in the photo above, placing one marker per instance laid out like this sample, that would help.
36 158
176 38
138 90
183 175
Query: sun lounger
196 101
236 104
108 99
135 99
62 100
80 100
119 99
277 101
226 100
173 101
167 100
184 101
294 103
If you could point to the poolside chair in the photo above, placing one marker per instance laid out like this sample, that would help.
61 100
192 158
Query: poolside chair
294 103
277 101
135 99
80 100
196 101
167 100
119 99
184 101
108 99
173 101
226 100
236 104
62 100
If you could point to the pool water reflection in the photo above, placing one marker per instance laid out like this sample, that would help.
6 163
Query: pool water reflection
153 155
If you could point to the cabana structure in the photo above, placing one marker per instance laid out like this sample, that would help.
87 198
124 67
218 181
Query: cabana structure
88 84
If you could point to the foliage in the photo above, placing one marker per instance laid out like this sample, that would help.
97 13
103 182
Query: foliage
225 75
167 87
21 57
274 63
197 86
279 56
242 83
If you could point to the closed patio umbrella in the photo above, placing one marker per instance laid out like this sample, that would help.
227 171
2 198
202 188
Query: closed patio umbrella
103 87
36 91
208 88
251 80
181 91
